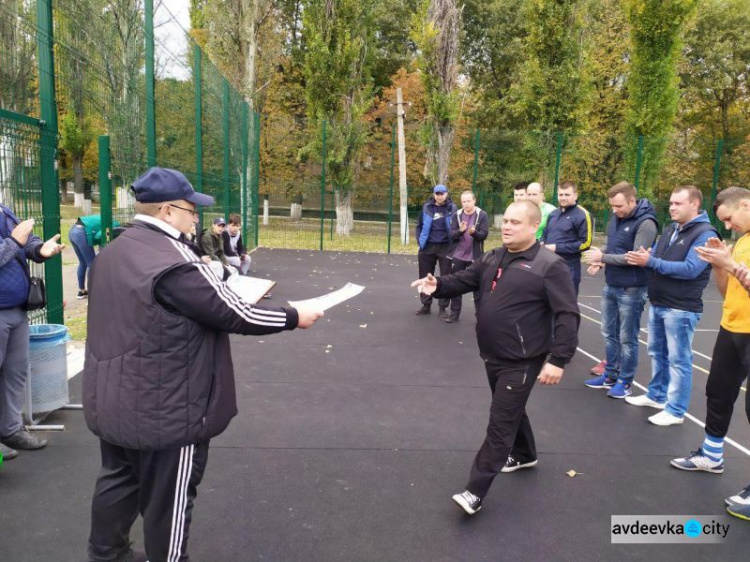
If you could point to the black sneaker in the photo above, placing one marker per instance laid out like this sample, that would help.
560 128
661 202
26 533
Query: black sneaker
468 502
511 465
24 441
422 311
7 453
451 319
82 295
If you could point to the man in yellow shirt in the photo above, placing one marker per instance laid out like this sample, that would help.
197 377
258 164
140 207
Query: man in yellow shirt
730 363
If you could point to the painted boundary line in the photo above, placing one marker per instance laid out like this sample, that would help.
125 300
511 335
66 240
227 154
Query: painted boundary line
732 442
646 343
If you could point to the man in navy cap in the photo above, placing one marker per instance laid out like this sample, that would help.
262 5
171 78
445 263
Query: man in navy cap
158 382
433 236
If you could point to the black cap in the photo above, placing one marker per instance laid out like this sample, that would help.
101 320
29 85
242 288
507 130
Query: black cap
220 220
163 184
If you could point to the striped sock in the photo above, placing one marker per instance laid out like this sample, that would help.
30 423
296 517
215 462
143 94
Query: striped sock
713 448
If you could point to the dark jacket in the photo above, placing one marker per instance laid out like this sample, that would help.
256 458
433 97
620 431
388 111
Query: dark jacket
677 285
621 239
425 232
212 246
570 231
158 369
227 240
14 269
481 230
515 319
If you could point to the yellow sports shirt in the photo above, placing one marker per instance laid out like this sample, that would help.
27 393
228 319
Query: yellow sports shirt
736 315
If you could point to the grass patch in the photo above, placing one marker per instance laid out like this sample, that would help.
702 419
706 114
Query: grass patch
76 323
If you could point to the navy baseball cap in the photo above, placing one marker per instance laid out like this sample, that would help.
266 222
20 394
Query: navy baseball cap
220 221
157 185
440 188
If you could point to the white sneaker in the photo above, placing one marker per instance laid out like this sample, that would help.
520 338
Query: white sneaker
644 400
665 418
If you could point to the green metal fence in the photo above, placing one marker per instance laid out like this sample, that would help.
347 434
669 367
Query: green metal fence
300 193
92 93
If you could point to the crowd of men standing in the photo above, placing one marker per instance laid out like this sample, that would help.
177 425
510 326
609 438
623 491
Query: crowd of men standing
671 271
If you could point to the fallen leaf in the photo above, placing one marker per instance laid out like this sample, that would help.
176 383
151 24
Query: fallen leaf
363 325
573 473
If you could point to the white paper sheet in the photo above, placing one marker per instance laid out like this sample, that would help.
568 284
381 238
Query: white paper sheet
251 289
324 302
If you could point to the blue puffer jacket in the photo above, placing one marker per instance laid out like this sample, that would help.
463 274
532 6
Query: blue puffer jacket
425 232
14 275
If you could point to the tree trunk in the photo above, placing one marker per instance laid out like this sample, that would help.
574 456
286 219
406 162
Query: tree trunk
344 213
445 143
78 186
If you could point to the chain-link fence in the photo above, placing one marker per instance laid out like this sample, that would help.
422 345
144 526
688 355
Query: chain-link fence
77 75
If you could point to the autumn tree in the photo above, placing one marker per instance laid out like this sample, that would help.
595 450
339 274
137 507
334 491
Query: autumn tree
436 32
656 29
338 50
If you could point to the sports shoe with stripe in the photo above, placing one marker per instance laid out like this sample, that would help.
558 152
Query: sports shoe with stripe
741 511
468 502
696 460
511 465
740 498
602 381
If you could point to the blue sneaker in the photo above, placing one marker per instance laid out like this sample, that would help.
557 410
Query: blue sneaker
620 390
601 382
741 511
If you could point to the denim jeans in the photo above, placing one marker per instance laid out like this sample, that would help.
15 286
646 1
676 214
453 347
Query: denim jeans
621 319
84 253
670 345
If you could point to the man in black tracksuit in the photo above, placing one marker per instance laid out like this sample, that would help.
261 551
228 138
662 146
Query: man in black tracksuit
158 381
526 292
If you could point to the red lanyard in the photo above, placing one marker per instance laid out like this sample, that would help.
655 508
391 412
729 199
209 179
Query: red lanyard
499 274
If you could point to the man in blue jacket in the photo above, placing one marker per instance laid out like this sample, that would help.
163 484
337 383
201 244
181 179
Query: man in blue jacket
675 289
433 237
17 245
632 225
568 232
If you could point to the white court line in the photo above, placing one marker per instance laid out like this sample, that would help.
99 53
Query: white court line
646 331
688 416
742 388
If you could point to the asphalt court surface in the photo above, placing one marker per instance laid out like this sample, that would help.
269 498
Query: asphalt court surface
353 435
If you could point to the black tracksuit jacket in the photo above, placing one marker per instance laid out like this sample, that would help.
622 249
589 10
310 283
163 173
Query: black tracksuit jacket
516 317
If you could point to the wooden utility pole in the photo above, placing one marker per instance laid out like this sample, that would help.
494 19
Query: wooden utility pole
404 195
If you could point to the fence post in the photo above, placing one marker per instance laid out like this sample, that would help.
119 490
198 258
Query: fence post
198 78
717 169
390 196
256 170
558 159
48 156
246 197
323 186
639 162
150 97
105 188
225 129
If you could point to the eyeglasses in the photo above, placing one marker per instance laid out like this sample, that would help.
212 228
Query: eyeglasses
193 212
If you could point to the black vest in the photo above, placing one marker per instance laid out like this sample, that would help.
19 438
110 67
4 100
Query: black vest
682 294
620 240
152 379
